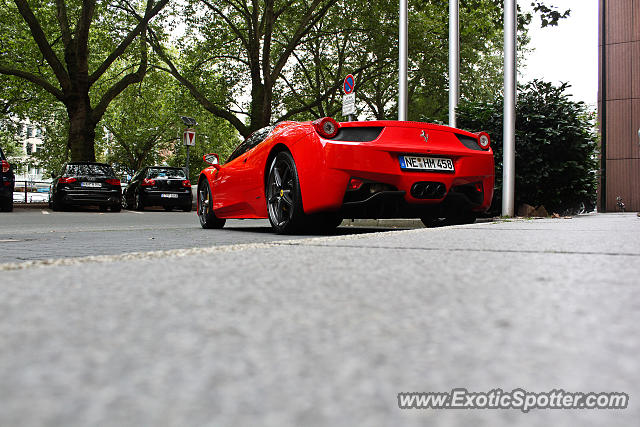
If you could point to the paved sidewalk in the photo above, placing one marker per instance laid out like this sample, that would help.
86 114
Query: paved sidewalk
327 331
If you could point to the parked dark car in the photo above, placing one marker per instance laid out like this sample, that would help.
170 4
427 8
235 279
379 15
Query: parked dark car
7 183
158 186
84 184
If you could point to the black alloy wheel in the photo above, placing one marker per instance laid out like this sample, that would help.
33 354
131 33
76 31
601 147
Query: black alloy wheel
284 200
124 202
208 218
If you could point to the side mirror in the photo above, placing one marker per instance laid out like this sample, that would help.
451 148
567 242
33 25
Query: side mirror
212 159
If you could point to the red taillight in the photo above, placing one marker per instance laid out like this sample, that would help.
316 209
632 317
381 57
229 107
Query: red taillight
326 127
5 166
66 180
186 183
354 184
148 182
113 181
483 140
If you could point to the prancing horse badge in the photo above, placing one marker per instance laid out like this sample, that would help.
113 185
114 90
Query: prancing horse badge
425 136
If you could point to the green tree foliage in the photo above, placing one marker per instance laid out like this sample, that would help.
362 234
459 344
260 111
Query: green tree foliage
556 147
144 127
248 47
284 59
79 52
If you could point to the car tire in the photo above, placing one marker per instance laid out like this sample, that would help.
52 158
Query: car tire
124 203
283 195
138 204
116 208
57 205
208 218
168 208
103 208
6 205
325 222
461 218
432 221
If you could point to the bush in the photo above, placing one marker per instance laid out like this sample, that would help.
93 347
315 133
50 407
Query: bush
556 147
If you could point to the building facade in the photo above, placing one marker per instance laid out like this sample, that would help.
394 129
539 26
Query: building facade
30 138
619 104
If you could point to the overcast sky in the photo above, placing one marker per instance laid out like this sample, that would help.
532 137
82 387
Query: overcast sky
568 52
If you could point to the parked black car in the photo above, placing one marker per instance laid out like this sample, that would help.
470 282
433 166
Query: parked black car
158 186
7 183
86 183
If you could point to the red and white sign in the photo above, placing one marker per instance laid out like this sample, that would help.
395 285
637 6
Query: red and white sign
189 137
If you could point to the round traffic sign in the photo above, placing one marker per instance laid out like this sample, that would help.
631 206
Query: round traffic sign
349 83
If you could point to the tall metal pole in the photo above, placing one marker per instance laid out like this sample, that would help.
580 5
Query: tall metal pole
509 132
403 52
454 60
188 162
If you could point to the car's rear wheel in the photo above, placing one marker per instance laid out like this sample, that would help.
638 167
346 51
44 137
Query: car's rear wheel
57 205
284 199
208 218
6 205
455 219
325 222
124 203
461 218
103 208
116 207
168 208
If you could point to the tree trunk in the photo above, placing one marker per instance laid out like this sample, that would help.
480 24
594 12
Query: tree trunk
82 130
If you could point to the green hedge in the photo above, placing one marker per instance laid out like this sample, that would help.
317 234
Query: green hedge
556 147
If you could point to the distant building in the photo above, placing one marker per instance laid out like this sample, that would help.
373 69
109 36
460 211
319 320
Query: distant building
30 137
619 103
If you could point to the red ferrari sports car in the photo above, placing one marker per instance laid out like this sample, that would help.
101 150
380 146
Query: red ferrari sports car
314 174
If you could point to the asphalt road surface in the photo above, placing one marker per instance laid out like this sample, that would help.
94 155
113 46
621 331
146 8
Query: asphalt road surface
35 234
327 331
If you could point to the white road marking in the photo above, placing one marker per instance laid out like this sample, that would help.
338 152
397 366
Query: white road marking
135 212
45 212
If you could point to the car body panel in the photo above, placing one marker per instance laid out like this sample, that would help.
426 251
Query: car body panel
89 185
325 167
168 181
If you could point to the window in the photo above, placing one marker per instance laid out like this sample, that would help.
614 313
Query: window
166 173
252 140
29 131
89 170
28 148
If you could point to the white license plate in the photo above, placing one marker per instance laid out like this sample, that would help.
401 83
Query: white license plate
168 196
426 163
91 184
